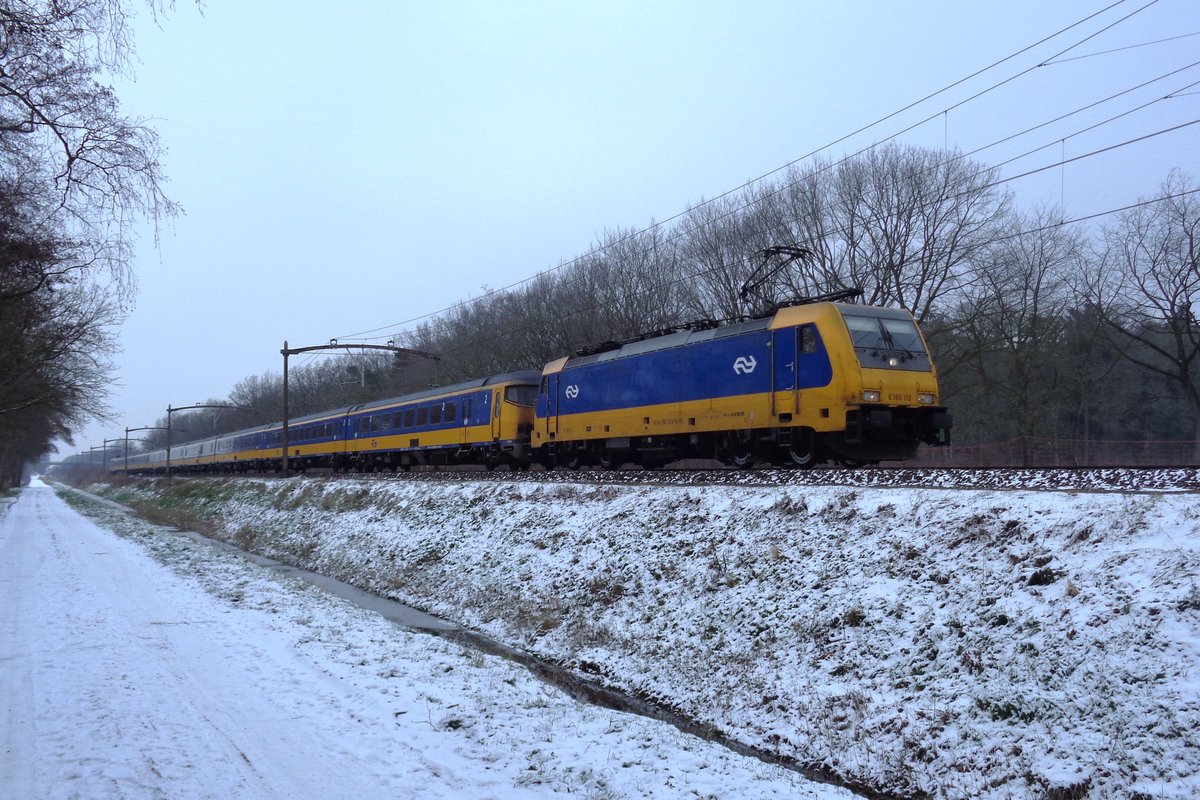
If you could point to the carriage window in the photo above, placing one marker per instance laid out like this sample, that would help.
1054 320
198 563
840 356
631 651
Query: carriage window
521 395
408 418
435 414
422 415
451 411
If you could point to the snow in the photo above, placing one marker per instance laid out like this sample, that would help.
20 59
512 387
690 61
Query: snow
138 663
958 642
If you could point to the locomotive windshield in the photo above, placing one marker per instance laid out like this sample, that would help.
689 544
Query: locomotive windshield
884 341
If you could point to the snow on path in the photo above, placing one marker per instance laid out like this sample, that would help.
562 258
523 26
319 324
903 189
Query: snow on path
145 665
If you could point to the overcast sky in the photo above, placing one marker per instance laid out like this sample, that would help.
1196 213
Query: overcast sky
353 166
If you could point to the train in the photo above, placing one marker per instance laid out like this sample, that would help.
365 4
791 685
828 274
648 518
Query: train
806 384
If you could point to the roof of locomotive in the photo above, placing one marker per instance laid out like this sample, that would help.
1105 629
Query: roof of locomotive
615 350
667 341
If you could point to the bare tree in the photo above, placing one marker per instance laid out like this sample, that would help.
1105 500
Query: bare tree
635 280
802 212
92 169
1148 289
1012 323
53 369
74 172
911 221
715 254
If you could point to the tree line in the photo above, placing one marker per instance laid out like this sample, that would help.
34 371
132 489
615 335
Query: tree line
1039 328
75 173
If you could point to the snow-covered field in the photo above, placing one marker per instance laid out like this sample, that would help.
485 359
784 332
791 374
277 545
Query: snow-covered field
960 643
137 663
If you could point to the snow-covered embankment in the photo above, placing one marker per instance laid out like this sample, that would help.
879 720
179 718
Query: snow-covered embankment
960 643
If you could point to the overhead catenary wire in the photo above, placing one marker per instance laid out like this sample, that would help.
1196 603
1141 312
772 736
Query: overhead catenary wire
1088 107
1082 131
1110 148
877 122
1127 47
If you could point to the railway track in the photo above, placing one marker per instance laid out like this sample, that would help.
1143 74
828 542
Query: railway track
1081 479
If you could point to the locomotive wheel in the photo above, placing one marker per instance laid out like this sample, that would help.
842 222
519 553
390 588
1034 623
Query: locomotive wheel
742 459
740 451
572 460
803 453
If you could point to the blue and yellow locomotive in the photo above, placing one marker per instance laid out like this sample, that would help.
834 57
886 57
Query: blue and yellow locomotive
807 384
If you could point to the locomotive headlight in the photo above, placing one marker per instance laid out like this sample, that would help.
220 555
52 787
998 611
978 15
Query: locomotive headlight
925 398
871 396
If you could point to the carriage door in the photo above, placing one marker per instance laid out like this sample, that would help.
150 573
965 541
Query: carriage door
549 388
496 415
555 398
785 392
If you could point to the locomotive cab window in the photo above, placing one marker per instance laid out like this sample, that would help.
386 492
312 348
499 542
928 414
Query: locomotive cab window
808 339
887 342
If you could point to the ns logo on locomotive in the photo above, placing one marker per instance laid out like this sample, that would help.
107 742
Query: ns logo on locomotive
808 383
